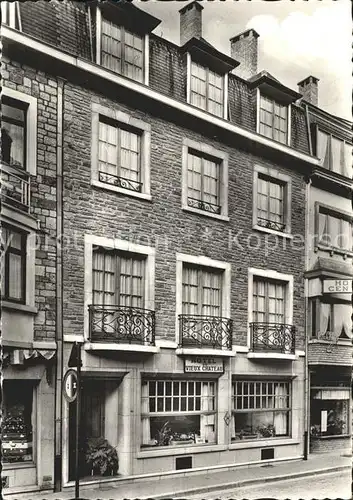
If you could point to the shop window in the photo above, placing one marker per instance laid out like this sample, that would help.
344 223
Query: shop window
18 421
261 409
178 412
13 280
329 417
273 119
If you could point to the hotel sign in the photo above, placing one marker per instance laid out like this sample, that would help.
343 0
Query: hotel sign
203 364
337 286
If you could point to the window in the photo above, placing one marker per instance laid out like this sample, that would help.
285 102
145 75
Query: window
203 183
268 301
207 89
270 203
18 421
13 280
202 291
122 51
261 409
329 415
330 320
118 279
13 133
178 412
273 121
119 156
336 154
334 231
10 15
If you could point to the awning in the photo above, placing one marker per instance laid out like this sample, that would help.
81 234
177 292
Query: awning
341 393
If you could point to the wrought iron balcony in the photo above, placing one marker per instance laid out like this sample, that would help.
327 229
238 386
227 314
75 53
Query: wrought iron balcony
204 205
121 182
121 324
211 332
15 187
272 337
271 224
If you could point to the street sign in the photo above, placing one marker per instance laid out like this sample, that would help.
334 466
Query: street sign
70 385
337 286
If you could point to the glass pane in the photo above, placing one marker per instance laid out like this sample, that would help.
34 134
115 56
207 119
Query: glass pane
15 276
176 430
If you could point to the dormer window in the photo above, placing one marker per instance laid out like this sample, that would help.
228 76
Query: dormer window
10 15
273 121
122 51
207 89
335 154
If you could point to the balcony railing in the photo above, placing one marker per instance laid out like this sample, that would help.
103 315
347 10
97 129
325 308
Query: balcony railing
122 324
204 205
15 188
271 224
210 332
121 182
272 337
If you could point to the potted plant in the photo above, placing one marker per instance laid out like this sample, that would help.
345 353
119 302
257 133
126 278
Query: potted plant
101 457
266 431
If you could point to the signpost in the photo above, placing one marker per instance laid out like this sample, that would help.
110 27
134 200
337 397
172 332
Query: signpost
337 286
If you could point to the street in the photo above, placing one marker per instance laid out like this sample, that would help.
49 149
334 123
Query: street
333 485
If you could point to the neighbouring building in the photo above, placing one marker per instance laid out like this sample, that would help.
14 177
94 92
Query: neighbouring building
329 257
171 186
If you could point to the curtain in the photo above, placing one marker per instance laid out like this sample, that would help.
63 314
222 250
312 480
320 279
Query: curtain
108 150
322 227
347 160
322 149
146 424
280 418
343 320
325 318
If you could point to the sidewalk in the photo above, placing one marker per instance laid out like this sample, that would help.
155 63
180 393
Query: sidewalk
187 483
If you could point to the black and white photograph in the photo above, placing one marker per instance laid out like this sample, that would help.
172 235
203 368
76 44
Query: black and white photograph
176 249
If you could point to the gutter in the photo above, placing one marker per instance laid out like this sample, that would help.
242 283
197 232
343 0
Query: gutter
30 43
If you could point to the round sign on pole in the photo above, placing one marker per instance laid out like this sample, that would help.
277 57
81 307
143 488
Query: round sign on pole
70 385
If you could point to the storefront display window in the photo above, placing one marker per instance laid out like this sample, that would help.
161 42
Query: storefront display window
329 417
178 412
17 424
261 410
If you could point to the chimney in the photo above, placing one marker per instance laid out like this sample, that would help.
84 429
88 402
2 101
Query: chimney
190 22
243 48
310 89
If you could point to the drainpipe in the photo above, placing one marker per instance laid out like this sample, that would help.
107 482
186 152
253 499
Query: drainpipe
306 304
59 291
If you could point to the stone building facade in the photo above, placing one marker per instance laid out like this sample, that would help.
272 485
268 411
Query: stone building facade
172 192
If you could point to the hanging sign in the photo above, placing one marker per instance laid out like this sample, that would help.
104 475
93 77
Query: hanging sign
203 364
337 286
70 385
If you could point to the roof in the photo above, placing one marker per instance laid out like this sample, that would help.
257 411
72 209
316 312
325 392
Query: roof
207 54
273 87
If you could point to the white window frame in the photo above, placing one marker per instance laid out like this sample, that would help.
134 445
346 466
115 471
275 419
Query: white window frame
200 261
31 126
286 180
125 246
329 146
205 149
270 274
341 214
289 118
13 9
146 45
145 143
188 88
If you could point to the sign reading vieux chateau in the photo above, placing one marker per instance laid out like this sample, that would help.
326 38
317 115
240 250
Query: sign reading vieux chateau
203 364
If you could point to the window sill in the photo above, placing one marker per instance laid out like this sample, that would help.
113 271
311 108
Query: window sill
334 250
115 189
205 213
20 465
272 231
346 342
111 346
13 306
180 450
262 443
271 355
333 436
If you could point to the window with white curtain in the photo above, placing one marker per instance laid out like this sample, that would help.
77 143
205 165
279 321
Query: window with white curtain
273 119
335 154
202 291
119 155
334 231
269 301
118 278
204 182
13 275
122 51
261 409
270 203
178 412
207 89
330 320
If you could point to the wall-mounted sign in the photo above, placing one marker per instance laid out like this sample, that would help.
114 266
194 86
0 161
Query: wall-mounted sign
70 385
337 286
203 364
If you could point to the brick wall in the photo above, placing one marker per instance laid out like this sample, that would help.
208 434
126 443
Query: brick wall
324 352
328 445
162 223
43 186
